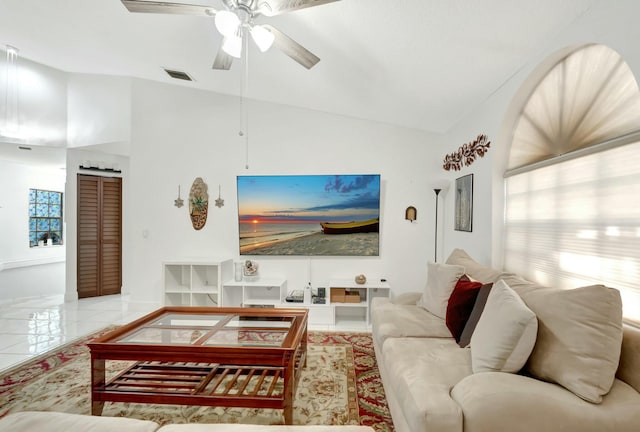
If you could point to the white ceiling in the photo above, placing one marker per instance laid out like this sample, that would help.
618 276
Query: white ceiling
421 64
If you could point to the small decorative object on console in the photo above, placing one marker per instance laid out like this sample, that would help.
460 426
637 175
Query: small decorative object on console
250 270
361 279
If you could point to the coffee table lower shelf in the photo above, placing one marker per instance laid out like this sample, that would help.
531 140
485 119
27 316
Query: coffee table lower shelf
198 384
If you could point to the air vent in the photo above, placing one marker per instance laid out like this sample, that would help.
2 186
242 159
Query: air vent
24 148
178 75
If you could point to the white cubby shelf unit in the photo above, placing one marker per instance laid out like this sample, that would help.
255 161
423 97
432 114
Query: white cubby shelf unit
263 292
195 283
355 313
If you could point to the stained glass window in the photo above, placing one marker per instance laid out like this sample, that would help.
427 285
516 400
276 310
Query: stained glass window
45 218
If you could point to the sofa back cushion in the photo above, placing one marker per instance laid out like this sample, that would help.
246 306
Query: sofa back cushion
579 338
505 334
474 269
441 279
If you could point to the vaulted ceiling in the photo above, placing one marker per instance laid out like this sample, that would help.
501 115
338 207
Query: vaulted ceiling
421 64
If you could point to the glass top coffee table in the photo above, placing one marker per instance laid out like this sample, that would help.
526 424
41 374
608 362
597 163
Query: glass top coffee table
229 357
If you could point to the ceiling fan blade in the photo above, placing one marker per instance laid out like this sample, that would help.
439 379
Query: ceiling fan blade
146 6
223 60
277 7
292 48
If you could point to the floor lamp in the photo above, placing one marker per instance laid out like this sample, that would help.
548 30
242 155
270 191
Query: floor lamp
439 186
435 257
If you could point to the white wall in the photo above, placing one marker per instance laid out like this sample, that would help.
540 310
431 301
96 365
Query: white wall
179 134
99 111
610 23
44 265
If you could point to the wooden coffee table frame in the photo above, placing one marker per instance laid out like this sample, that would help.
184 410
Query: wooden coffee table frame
209 375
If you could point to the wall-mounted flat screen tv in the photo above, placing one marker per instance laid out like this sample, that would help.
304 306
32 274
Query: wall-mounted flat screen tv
309 215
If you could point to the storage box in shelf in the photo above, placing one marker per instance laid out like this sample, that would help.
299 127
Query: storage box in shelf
342 295
352 297
337 295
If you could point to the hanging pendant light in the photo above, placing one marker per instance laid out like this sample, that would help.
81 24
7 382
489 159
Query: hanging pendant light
11 126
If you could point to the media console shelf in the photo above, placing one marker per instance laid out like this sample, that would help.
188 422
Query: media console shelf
272 292
346 313
265 292
192 283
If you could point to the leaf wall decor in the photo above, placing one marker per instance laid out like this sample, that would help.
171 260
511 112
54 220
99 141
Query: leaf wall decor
467 154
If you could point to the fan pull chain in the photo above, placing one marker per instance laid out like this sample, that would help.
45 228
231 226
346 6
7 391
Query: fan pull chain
244 91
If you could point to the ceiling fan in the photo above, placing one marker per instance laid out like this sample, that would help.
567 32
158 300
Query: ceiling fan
236 20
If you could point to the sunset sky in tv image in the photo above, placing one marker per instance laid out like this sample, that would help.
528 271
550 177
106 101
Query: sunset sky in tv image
308 198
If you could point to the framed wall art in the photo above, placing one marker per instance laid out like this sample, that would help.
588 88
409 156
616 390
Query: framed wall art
464 204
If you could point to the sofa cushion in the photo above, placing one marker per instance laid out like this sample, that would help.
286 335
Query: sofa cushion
497 401
441 279
474 269
579 338
460 305
33 421
476 313
421 372
505 334
391 320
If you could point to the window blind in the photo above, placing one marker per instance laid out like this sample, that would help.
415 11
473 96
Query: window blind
577 223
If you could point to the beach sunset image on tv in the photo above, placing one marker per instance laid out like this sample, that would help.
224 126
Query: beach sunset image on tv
326 215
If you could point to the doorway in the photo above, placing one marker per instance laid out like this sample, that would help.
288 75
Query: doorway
99 236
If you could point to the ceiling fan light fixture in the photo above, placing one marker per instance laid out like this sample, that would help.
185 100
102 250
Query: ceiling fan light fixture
227 23
232 45
262 37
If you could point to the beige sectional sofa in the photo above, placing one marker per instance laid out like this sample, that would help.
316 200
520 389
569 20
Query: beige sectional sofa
62 422
581 369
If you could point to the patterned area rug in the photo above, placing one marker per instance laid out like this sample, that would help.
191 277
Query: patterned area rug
341 385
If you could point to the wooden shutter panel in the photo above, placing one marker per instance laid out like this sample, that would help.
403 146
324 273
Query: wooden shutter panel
111 268
99 236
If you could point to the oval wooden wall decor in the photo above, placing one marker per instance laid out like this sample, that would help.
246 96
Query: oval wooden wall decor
198 203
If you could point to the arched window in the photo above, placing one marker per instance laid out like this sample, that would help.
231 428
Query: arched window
572 215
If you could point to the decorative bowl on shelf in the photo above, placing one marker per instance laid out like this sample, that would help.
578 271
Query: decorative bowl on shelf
361 279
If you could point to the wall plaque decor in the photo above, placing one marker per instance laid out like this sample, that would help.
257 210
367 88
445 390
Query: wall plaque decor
464 204
466 155
198 203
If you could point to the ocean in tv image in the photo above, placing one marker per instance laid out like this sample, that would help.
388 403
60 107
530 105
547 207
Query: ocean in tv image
321 215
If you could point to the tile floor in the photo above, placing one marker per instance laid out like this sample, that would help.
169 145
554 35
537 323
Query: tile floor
30 327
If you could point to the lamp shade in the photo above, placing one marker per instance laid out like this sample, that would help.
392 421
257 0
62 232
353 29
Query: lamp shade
227 23
232 45
262 37
441 184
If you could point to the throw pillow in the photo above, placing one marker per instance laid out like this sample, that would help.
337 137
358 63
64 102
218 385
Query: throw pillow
461 304
441 279
579 339
474 317
505 334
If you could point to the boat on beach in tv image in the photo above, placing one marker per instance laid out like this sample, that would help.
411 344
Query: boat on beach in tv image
309 215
